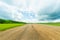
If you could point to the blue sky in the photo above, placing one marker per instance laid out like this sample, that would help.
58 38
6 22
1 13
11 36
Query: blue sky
30 10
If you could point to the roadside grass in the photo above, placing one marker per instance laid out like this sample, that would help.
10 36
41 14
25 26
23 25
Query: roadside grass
8 26
53 24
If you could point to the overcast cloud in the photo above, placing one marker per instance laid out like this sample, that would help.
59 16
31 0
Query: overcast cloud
30 10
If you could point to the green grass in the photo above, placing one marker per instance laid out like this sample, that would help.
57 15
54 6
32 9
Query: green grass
8 26
52 24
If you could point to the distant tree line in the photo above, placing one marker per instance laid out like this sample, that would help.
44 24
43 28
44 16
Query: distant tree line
2 21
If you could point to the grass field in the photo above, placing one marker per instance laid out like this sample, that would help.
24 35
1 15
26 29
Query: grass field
53 24
8 26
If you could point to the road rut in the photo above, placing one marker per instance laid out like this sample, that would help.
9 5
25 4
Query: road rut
31 32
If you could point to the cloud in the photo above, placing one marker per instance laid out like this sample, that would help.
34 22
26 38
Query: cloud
14 13
30 10
51 12
9 11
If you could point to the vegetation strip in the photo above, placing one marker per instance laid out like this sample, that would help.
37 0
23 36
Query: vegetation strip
8 26
53 24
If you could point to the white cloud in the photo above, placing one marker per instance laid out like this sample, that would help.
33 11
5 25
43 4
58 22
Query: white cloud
12 10
15 13
45 7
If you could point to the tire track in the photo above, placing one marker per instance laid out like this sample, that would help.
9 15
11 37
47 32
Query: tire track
39 36
18 32
32 32
50 33
9 34
42 35
20 35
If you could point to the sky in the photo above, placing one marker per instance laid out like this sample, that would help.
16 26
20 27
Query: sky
30 11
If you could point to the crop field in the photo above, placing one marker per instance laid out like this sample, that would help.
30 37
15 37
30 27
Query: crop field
8 26
52 24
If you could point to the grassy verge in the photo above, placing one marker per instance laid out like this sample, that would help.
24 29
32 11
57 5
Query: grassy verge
53 24
8 26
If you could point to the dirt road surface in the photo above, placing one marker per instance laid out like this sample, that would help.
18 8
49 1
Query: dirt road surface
31 32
